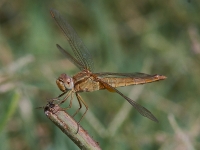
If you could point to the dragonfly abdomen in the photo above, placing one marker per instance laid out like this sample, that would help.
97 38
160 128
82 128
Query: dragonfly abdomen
120 82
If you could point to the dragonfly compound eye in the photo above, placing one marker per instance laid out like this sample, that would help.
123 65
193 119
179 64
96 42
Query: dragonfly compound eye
65 82
60 85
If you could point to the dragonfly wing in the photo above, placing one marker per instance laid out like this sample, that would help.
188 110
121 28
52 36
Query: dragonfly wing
72 59
142 110
81 52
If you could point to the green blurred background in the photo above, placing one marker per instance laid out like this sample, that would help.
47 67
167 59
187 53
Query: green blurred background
150 36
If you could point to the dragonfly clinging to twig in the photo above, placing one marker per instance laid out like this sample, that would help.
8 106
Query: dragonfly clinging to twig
87 81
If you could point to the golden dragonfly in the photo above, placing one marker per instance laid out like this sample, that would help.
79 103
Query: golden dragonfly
87 81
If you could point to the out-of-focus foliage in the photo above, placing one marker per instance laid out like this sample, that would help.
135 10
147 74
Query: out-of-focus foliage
155 37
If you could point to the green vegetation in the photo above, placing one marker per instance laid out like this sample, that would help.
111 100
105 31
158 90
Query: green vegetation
154 37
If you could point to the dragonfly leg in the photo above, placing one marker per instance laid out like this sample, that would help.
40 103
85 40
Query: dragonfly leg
81 101
78 125
70 103
68 94
61 95
80 104
56 98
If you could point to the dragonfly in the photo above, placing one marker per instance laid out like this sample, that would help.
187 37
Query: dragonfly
88 81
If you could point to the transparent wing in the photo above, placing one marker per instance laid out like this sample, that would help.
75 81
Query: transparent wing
72 59
143 111
81 52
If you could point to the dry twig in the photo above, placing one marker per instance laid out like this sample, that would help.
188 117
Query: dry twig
69 126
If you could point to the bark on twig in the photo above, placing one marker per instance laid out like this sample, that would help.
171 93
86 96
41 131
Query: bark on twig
69 126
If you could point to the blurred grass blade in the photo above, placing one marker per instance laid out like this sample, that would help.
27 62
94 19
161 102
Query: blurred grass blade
11 109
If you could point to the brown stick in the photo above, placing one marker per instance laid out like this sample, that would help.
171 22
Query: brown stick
69 126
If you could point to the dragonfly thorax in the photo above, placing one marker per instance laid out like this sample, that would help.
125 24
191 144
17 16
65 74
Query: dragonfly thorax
65 82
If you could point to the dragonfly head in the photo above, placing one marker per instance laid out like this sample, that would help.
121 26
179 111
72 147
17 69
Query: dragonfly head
65 82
